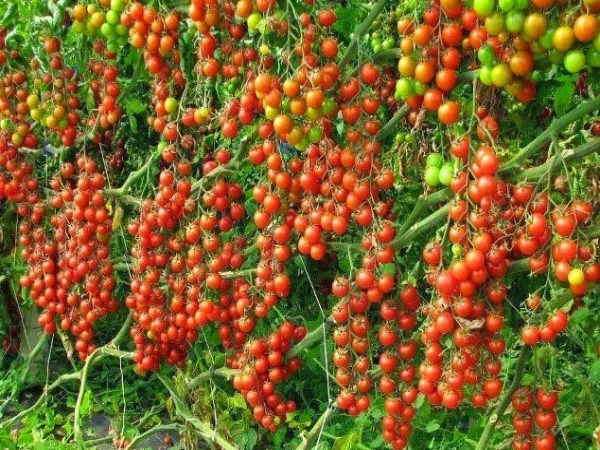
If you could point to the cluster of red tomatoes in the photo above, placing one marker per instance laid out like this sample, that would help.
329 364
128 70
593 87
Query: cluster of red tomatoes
399 375
263 365
157 35
83 280
106 91
534 418
481 256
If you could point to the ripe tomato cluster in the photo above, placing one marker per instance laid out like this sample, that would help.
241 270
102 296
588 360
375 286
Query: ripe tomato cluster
534 418
398 382
106 90
84 279
263 365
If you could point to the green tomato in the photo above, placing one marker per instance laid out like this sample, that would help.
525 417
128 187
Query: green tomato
117 5
592 58
434 159
254 21
112 17
457 250
389 43
285 104
485 75
483 8
16 139
399 138
485 55
405 88
377 48
596 42
271 113
6 124
36 114
112 46
170 104
89 29
574 61
446 174
501 75
315 135
521 4
409 138
314 113
78 27
432 176
121 29
328 106
494 24
514 21
420 88
302 144
576 277
506 5
107 30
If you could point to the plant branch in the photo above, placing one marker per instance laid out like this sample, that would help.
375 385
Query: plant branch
150 432
505 400
392 125
224 372
360 32
206 431
316 430
550 166
557 124
418 228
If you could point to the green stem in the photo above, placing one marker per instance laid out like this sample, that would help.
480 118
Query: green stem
316 430
311 338
419 228
422 205
150 432
360 32
505 400
206 431
224 372
557 125
133 177
392 125
550 166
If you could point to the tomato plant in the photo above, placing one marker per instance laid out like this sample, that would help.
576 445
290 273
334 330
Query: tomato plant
299 224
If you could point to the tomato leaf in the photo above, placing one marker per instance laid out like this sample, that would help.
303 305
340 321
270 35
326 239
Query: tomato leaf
595 372
563 96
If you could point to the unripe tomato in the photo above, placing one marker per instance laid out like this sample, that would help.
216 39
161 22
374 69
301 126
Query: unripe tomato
576 276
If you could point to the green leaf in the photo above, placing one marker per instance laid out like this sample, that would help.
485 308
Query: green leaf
134 106
595 372
563 96
345 442
348 20
432 426
86 403
245 438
